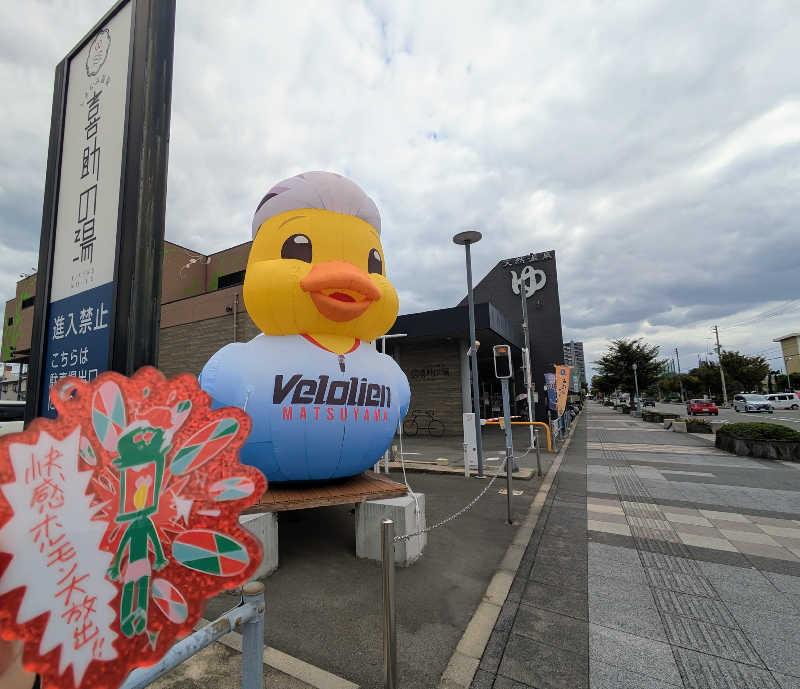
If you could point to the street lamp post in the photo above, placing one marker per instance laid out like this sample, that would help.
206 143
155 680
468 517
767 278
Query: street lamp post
466 239
526 357
636 383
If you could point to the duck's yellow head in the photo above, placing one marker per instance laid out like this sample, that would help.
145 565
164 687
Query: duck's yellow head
316 264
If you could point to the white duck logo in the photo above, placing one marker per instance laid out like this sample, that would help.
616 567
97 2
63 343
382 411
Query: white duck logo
98 52
532 278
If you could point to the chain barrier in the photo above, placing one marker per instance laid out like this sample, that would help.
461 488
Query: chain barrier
447 520
468 506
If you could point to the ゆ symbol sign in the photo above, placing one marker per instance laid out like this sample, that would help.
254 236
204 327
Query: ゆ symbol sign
532 278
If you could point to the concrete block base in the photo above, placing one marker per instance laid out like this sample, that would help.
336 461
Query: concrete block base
679 426
402 511
716 425
264 526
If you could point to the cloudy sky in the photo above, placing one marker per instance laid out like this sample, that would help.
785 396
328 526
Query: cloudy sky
654 145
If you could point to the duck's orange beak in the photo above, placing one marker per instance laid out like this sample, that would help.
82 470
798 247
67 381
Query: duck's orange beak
340 290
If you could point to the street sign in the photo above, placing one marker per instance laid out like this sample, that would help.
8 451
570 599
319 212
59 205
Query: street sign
82 280
97 303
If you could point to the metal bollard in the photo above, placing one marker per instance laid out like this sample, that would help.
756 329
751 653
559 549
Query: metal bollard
538 459
389 629
509 448
253 637
509 471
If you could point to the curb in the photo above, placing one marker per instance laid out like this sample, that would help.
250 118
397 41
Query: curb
288 665
464 662
524 473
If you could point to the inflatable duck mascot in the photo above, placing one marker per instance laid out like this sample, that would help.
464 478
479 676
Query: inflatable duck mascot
323 401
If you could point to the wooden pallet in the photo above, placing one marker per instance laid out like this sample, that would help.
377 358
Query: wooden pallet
281 497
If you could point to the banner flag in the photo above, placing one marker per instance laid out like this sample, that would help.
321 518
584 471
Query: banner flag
562 387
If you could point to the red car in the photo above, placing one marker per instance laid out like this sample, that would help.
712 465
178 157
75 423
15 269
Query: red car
695 407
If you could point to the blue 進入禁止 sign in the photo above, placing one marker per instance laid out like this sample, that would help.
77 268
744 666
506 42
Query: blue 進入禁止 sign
78 337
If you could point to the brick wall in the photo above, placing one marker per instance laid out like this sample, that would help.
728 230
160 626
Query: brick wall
186 348
432 369
434 376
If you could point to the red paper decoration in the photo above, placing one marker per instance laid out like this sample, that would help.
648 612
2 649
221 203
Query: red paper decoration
118 520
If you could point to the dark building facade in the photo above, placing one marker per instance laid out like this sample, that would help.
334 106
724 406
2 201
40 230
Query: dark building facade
440 338
540 277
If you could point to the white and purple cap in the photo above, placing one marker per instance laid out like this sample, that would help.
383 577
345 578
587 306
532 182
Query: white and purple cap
323 190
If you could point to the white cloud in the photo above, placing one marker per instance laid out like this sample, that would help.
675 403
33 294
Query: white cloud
653 145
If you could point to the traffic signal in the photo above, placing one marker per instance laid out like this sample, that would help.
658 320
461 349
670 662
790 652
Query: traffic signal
502 361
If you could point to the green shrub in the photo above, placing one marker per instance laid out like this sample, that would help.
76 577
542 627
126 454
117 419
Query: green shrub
759 431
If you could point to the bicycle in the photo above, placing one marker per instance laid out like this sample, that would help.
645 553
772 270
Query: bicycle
417 422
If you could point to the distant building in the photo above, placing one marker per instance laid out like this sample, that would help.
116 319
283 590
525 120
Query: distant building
573 356
790 351
11 386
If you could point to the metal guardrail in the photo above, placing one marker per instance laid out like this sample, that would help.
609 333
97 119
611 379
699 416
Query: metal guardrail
528 423
248 615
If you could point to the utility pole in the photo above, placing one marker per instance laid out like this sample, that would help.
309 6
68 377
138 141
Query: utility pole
680 380
721 371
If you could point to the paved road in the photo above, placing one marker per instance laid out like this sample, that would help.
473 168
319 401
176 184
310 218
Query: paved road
785 417
658 562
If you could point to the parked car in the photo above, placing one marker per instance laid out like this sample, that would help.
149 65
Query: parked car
784 400
750 402
12 414
695 407
648 402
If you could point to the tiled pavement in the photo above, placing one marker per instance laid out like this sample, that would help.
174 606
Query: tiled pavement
658 562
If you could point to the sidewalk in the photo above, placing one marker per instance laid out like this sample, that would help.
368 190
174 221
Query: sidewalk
657 562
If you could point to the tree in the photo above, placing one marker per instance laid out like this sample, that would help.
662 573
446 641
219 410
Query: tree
743 373
615 367
780 381
704 380
602 385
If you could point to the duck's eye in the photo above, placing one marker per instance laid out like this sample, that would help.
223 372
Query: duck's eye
298 246
375 263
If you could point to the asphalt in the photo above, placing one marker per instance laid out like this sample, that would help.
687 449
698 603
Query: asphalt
426 448
784 417
657 562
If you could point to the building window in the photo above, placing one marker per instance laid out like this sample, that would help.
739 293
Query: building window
11 320
27 302
230 279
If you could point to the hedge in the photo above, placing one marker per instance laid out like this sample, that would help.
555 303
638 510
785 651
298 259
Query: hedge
759 431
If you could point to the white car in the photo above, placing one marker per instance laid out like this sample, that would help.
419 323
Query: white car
748 403
784 400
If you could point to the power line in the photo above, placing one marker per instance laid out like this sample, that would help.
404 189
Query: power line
786 307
